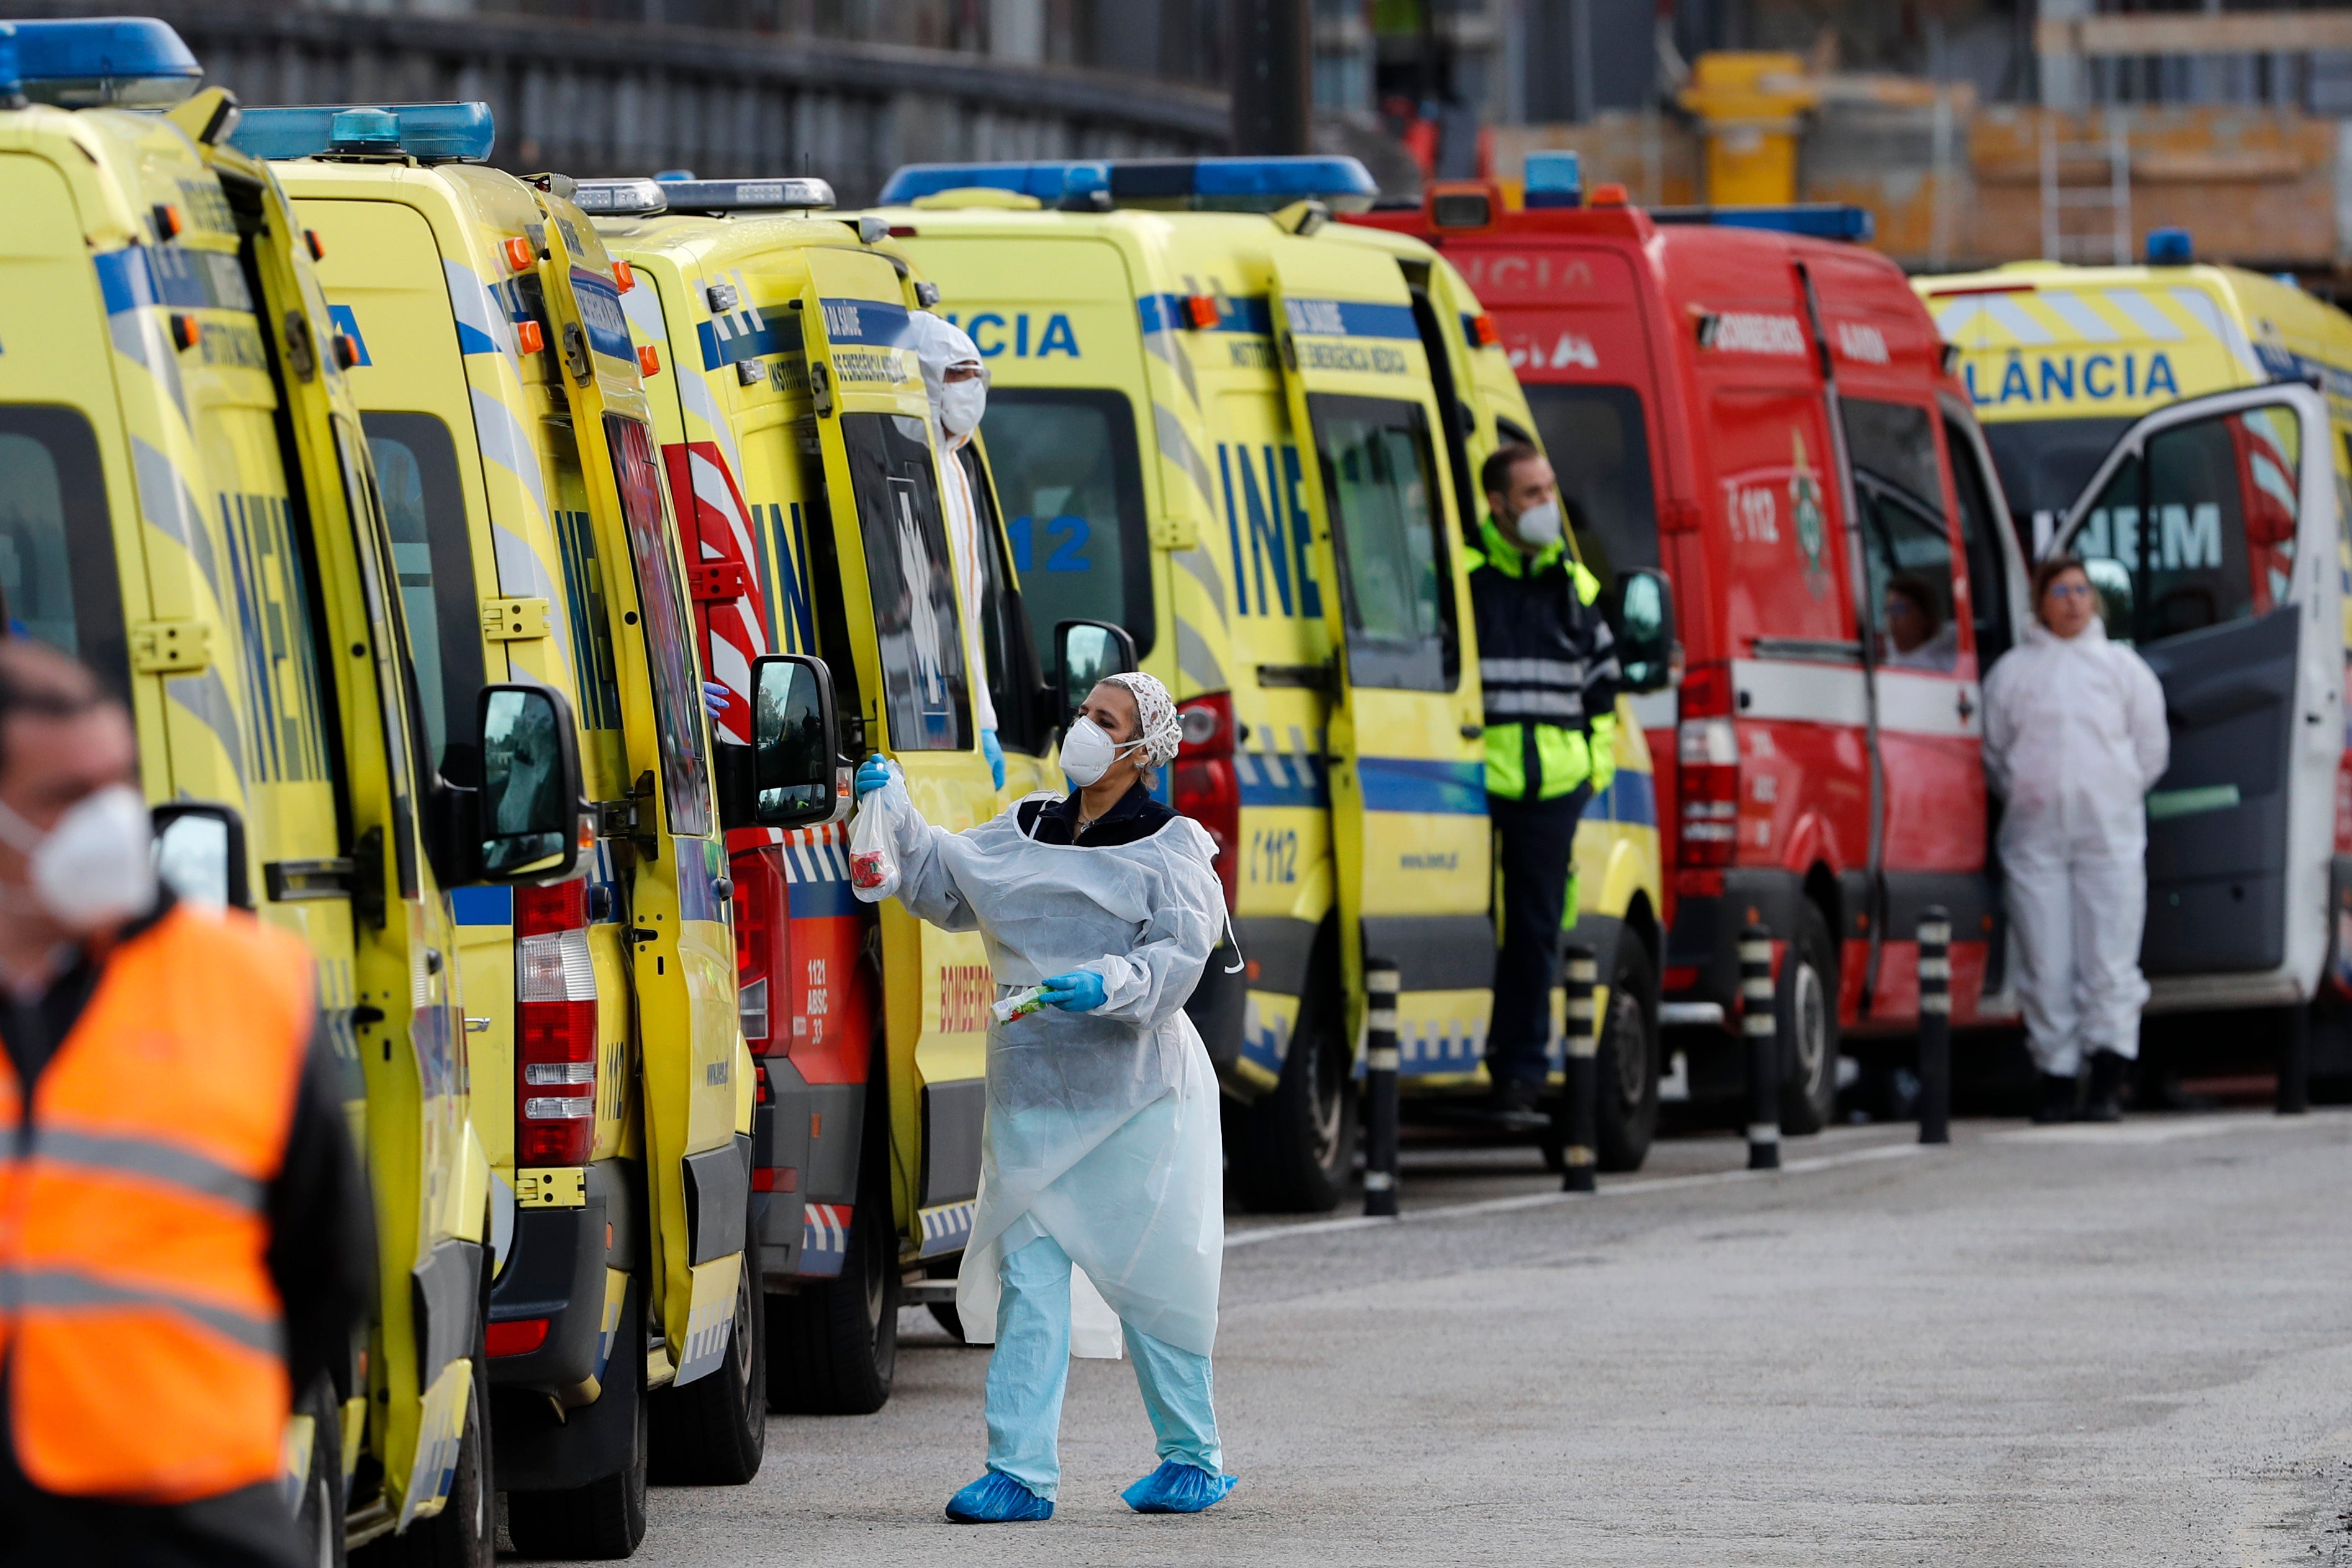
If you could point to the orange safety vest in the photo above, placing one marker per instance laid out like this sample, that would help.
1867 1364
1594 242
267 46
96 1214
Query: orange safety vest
140 1330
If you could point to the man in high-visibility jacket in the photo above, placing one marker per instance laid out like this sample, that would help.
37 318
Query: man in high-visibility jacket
185 1238
1549 667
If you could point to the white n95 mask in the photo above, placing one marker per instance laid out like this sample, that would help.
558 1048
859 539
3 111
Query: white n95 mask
1087 753
962 403
1540 526
97 866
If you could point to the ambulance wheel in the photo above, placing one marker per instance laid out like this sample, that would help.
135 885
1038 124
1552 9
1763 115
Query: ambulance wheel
604 1519
1627 1064
713 1431
1805 1006
318 1526
1295 1150
464 1533
833 1345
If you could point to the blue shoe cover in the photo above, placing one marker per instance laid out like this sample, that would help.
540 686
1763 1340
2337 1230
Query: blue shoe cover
1177 1487
997 1498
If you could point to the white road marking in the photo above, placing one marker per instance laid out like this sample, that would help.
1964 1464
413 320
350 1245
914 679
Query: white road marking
1547 1199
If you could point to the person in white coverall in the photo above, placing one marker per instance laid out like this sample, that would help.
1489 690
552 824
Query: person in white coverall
2074 740
957 383
1101 1209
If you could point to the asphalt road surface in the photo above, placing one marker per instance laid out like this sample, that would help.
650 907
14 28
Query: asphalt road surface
2067 1345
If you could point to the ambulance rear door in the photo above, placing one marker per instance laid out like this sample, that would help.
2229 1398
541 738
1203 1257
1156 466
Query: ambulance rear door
1407 765
682 972
2210 531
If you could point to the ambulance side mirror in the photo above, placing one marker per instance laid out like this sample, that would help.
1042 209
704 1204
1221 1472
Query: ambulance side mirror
1084 651
529 824
789 775
200 854
1646 630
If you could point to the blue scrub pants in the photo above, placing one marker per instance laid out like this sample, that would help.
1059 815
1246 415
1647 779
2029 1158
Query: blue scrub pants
1031 1366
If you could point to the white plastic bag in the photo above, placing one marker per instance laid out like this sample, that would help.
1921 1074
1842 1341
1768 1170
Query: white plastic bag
872 856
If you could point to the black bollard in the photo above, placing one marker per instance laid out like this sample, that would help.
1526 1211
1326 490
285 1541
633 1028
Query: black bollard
1763 1032
1935 1024
1580 1106
1380 1087
2294 1062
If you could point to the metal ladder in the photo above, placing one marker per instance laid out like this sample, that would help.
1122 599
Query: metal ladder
2090 241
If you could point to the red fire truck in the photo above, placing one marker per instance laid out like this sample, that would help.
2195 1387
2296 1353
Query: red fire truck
1767 413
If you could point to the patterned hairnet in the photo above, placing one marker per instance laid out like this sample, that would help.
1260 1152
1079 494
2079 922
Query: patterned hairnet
1156 726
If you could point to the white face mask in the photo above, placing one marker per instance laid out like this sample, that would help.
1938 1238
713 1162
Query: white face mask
962 403
1540 526
97 866
1087 753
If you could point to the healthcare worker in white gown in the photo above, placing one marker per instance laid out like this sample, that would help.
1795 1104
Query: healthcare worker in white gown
956 381
1102 1214
2074 741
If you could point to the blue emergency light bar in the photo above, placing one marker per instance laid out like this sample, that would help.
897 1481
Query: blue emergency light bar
620 198
1814 220
101 62
1202 184
2170 247
744 195
428 133
1554 180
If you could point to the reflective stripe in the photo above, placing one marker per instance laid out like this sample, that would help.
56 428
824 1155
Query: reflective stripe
1541 704
1532 672
158 1162
62 1288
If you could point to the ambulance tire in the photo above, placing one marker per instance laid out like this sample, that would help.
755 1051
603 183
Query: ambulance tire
1805 1006
713 1431
319 1524
833 1345
1294 1152
464 1533
603 1521
1628 1059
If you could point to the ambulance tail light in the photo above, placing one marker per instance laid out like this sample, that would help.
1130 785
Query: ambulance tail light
1207 788
763 946
556 1026
1707 779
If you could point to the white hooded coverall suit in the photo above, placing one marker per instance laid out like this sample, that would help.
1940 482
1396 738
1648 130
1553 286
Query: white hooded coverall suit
939 346
2074 740
1101 1176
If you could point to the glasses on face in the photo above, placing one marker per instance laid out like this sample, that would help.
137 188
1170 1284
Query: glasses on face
2068 591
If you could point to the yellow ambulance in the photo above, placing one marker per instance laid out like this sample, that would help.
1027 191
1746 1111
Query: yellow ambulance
189 507
802 472
2154 421
1157 341
508 412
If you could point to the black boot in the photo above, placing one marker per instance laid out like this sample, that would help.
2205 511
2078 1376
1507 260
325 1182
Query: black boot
2107 1088
1514 1107
2057 1101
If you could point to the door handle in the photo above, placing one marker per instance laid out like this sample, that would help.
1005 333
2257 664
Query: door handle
1968 709
1473 731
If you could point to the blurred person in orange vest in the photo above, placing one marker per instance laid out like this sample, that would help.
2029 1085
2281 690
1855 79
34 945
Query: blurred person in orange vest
185 1238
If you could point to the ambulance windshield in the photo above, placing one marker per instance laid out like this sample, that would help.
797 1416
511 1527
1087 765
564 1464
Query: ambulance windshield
1071 485
2043 466
1600 450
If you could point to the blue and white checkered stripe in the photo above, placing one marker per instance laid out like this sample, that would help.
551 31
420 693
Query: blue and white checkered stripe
946 1227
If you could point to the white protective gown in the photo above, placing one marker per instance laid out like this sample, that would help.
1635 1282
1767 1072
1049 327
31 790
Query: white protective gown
2074 740
1102 1126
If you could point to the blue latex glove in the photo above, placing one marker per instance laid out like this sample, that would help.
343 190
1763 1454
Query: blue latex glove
1080 991
996 755
714 699
872 774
